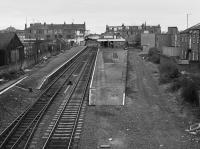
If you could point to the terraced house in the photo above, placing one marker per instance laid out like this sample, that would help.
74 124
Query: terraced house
189 42
69 32
132 34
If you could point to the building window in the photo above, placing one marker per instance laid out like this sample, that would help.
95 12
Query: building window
68 36
182 39
193 58
48 36
194 38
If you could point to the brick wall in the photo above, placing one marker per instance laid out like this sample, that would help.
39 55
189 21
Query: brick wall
148 40
163 40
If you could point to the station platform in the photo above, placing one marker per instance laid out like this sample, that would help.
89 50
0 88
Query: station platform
109 78
36 76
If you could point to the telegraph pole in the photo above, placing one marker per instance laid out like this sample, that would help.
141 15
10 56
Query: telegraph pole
188 20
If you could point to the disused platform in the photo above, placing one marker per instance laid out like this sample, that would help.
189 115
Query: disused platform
48 70
109 78
38 76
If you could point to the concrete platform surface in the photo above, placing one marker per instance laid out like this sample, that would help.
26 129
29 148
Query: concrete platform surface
109 78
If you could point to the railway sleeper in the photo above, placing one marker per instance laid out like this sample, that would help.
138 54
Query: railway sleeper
63 131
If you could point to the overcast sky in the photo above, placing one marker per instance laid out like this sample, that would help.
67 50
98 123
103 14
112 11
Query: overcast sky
98 13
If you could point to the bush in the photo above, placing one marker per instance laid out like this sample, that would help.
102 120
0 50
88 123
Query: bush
196 79
176 85
168 72
189 91
155 59
154 55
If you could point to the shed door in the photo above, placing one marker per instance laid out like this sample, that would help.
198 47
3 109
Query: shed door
2 57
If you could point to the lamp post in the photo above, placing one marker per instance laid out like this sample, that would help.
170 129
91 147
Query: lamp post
37 43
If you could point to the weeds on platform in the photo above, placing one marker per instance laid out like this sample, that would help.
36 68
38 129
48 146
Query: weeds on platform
154 55
168 72
176 85
12 75
189 91
188 85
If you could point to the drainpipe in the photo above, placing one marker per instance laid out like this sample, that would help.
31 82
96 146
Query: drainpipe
198 46
190 44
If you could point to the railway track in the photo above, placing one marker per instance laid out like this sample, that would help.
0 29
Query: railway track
19 133
63 135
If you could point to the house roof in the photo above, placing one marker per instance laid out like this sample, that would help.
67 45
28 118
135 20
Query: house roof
195 27
5 39
120 39
57 26
68 26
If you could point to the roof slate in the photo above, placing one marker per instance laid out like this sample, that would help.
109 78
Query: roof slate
195 27
57 26
5 39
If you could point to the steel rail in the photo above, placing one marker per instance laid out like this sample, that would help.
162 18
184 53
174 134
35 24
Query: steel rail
80 107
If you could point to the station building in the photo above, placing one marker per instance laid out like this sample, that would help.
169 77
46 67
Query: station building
111 40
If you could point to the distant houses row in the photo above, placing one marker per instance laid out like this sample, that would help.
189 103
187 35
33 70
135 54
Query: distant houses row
183 44
69 32
22 48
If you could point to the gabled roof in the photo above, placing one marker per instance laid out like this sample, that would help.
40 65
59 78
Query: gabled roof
67 26
195 27
5 39
57 26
